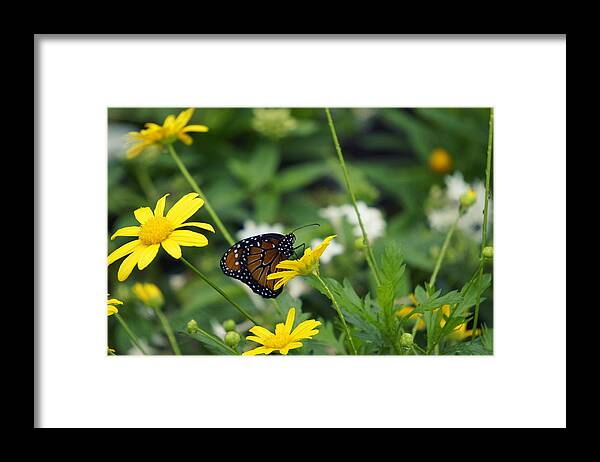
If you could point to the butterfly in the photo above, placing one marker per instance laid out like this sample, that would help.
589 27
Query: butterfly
252 259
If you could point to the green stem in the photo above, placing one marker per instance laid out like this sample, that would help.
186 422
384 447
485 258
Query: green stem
216 339
197 189
419 348
488 175
131 335
145 181
339 311
442 254
223 294
369 251
168 330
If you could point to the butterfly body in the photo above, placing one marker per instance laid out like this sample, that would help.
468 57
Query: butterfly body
252 259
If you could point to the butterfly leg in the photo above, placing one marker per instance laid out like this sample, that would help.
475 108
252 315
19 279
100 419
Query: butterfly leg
299 254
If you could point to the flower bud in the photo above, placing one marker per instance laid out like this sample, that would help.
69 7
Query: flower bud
468 198
488 252
232 338
406 340
440 161
359 243
229 325
192 326
148 294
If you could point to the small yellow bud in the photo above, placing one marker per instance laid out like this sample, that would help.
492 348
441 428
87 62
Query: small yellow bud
488 252
229 325
440 161
148 294
232 338
468 198
192 326
406 340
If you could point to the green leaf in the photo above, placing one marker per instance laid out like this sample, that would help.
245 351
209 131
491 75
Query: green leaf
362 314
392 270
427 303
299 176
325 342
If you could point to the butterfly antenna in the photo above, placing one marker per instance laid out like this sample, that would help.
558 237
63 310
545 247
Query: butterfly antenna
305 226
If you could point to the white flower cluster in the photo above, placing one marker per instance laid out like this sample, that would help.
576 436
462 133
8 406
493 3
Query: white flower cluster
254 229
442 216
372 219
273 123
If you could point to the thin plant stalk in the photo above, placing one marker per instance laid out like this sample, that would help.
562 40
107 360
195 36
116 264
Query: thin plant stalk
144 180
339 311
167 327
368 250
197 189
223 294
131 335
277 307
442 254
217 339
488 170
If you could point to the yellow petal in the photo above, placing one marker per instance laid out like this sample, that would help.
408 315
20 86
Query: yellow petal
127 231
205 226
188 238
261 332
148 255
125 249
179 207
289 265
169 121
143 214
172 248
283 281
183 118
135 150
186 139
114 301
292 345
280 330
258 351
256 339
111 310
289 322
318 251
281 274
160 206
185 211
129 263
304 328
195 128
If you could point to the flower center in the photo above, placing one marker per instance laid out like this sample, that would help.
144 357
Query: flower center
155 230
278 341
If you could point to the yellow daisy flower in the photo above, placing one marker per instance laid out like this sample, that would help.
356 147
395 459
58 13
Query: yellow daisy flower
111 305
148 293
284 339
173 128
305 265
157 230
